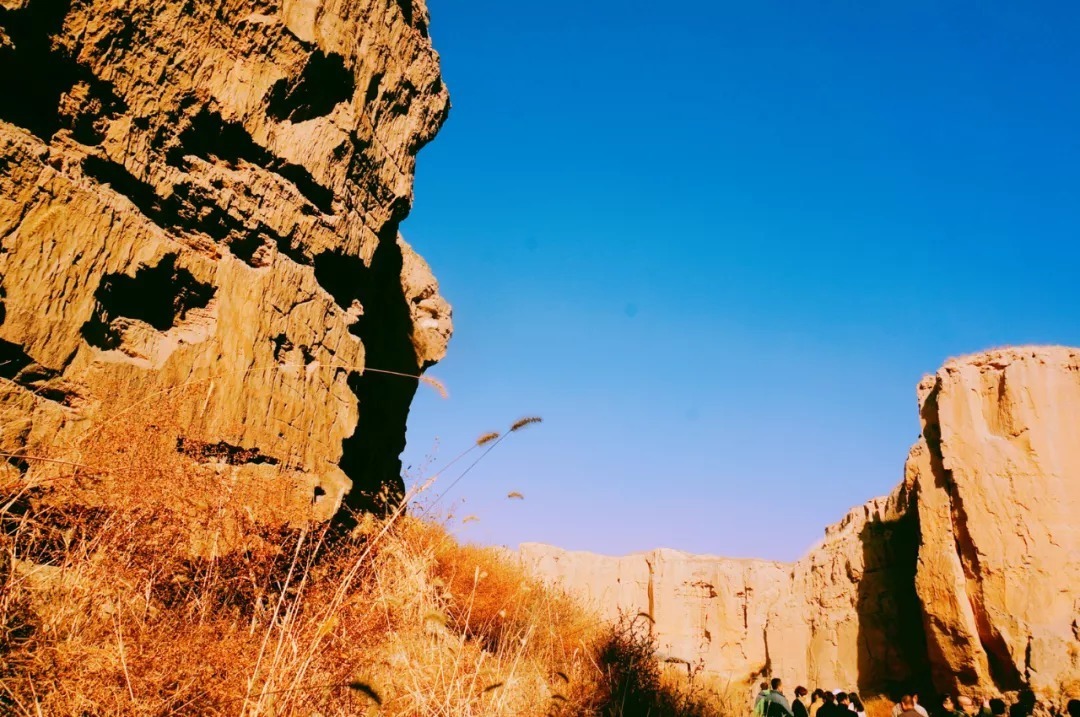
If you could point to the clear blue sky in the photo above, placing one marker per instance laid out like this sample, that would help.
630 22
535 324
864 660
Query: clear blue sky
716 244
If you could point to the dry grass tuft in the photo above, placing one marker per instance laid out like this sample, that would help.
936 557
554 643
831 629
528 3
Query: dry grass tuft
878 706
487 438
523 422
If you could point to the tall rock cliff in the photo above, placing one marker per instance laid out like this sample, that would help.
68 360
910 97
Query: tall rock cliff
998 473
201 200
967 577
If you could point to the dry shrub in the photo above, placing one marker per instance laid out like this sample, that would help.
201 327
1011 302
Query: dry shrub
633 682
878 706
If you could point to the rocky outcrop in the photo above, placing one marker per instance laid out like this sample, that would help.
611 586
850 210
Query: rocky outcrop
202 199
964 578
998 471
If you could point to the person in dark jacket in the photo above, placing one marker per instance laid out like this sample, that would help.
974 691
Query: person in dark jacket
947 708
798 707
1025 704
830 709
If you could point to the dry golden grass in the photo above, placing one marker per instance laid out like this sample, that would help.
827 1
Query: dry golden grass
878 707
132 581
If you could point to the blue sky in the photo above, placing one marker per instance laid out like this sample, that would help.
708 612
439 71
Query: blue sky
715 245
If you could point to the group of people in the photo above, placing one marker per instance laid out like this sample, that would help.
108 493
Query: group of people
771 702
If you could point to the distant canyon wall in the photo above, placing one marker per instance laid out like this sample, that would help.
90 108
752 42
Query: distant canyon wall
201 200
966 577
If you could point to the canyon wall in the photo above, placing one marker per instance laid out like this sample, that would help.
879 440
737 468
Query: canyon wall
201 200
966 577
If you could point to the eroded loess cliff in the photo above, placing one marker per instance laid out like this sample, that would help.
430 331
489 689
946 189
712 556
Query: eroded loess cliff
967 577
201 200
998 471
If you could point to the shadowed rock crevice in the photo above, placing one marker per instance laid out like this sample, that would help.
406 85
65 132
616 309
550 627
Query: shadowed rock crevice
160 296
191 209
892 641
20 368
33 75
223 452
87 107
138 192
408 11
323 84
371 455
208 136
13 359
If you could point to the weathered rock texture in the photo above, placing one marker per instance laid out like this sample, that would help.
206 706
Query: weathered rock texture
207 195
998 470
966 577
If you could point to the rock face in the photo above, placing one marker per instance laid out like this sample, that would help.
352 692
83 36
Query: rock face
704 609
206 195
998 470
967 577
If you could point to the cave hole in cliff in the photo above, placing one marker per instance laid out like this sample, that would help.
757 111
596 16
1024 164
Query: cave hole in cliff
371 456
323 84
372 93
282 347
33 74
208 135
159 295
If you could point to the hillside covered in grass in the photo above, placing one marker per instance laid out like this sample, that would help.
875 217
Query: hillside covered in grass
134 583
